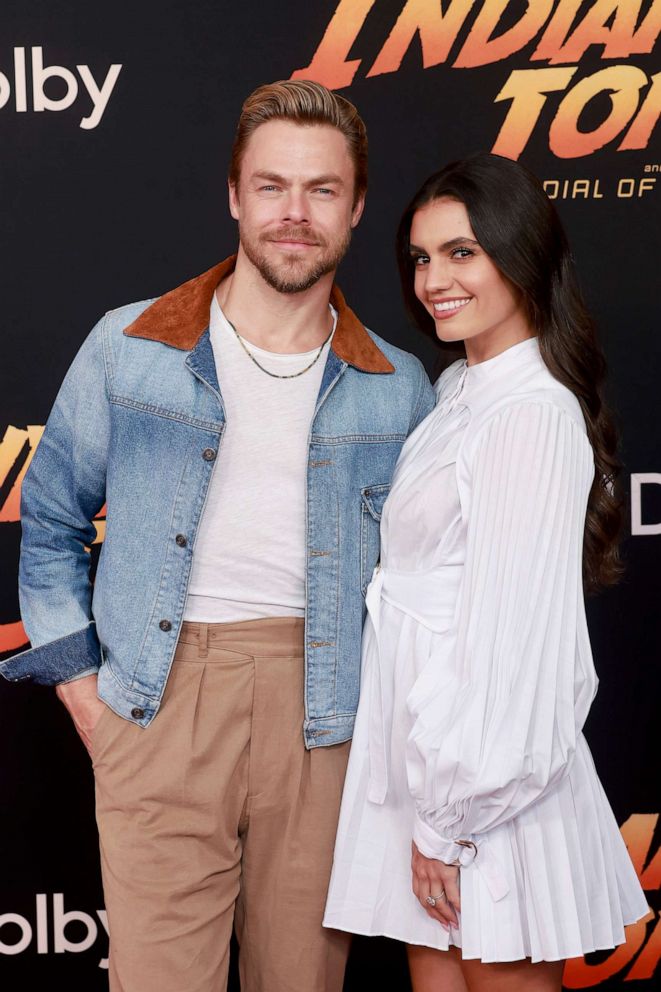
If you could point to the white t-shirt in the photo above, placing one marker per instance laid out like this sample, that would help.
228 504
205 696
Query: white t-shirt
249 557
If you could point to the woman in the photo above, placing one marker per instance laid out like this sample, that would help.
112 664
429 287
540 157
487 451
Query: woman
473 824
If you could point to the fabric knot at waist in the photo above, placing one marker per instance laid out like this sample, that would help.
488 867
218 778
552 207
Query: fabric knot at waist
429 597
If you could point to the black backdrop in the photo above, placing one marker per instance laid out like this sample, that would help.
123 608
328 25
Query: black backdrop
133 202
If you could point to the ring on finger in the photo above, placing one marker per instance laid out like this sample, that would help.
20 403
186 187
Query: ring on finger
432 900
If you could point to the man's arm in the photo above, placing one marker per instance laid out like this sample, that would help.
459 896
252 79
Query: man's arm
426 398
63 491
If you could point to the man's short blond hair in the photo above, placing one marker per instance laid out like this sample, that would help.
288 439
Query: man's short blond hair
304 102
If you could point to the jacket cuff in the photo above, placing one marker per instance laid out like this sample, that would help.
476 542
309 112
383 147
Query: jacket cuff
62 660
439 848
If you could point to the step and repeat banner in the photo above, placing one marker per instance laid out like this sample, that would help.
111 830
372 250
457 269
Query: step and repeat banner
116 122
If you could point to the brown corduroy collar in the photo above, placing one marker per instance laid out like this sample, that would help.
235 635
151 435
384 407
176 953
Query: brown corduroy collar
181 316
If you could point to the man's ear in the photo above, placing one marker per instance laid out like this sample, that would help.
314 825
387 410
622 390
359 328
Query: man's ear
357 211
233 194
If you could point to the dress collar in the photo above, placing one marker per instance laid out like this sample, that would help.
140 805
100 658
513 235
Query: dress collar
524 354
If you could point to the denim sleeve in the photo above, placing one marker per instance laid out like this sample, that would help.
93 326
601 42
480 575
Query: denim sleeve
425 401
62 492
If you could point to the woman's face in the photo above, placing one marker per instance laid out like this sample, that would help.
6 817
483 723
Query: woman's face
459 285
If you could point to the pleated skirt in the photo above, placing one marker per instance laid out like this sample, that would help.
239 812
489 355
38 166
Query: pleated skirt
572 886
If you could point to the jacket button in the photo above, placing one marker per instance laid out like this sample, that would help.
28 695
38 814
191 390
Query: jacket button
181 540
208 454
137 713
165 625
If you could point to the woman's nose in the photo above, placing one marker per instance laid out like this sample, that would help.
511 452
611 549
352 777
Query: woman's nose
439 276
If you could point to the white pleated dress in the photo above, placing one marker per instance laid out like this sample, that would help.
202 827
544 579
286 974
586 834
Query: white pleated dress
477 679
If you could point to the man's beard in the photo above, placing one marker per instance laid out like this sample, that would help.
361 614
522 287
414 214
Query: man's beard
294 274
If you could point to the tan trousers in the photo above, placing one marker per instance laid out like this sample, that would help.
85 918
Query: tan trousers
217 815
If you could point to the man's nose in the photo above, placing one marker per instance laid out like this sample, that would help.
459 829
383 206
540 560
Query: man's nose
295 208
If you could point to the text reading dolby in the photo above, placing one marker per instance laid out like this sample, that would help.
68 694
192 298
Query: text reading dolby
14 87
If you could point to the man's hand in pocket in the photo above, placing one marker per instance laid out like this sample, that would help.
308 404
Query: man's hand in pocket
83 704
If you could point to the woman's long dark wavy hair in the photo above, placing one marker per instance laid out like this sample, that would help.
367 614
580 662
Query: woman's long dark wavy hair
518 227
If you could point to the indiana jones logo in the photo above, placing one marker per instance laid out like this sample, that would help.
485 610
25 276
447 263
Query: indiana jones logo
473 33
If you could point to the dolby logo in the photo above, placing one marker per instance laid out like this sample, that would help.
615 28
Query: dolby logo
64 87
54 932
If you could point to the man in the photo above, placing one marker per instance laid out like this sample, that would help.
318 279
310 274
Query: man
243 430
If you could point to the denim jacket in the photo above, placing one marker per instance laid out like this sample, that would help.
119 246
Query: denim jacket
138 424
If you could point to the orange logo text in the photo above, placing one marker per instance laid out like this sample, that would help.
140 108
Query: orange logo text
563 31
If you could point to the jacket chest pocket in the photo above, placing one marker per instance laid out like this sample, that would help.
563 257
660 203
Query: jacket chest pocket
372 499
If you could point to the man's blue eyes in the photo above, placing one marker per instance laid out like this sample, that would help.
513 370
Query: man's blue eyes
319 189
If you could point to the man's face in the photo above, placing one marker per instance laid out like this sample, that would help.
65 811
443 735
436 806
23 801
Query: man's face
295 203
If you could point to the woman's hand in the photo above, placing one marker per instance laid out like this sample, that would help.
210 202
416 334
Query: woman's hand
441 881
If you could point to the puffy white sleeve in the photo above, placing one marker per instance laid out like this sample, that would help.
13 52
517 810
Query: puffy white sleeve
491 742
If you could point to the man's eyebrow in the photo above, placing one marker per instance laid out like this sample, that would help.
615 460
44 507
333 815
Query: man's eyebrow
453 243
270 177
329 179
325 180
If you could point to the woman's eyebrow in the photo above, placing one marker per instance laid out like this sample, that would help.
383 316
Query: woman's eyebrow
454 243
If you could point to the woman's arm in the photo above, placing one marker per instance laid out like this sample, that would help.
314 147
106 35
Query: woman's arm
489 745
